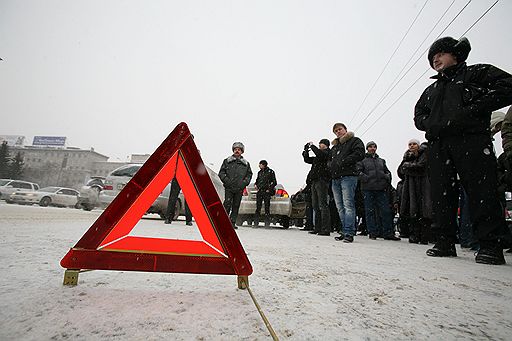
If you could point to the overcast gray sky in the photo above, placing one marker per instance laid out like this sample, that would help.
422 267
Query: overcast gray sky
120 75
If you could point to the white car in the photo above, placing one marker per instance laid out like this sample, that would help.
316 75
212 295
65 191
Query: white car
280 207
55 196
118 178
9 186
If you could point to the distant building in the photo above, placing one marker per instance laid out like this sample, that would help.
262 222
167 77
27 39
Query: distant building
65 166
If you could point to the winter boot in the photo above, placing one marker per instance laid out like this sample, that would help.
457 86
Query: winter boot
444 247
490 253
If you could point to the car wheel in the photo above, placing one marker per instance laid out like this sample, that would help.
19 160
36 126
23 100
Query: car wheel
286 222
45 202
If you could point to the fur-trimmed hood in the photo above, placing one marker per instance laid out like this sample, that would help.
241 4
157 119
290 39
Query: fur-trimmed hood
343 139
233 158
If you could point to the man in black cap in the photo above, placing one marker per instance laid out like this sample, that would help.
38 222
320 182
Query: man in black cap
320 181
455 112
266 186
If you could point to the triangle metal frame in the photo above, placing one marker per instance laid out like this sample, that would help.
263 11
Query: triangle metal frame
107 245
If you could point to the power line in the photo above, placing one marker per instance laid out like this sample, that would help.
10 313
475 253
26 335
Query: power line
392 87
389 60
409 88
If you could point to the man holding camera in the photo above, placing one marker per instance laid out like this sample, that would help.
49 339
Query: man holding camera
320 181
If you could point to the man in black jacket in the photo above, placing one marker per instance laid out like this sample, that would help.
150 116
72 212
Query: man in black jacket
266 186
346 151
320 180
235 173
455 112
375 179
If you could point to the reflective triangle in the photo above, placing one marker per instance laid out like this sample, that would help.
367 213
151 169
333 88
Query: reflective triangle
108 245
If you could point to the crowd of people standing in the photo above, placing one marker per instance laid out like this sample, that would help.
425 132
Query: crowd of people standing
455 168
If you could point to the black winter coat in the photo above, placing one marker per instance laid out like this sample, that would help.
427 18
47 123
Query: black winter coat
415 199
266 180
461 100
345 154
235 173
374 174
319 168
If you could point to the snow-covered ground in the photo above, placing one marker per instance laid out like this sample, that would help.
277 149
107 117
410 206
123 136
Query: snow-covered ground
310 288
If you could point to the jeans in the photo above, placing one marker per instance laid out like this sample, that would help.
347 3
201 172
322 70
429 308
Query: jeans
378 213
344 190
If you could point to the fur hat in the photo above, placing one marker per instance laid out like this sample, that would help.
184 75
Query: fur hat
325 141
371 143
459 48
238 145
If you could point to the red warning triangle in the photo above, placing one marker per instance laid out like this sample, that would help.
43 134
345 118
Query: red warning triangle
107 244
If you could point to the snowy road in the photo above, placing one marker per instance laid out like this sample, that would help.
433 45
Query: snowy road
310 288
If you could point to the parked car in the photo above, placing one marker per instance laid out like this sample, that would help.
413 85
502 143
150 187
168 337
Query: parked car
89 193
118 178
55 196
9 186
280 207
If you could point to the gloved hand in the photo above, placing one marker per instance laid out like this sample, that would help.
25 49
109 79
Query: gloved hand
306 147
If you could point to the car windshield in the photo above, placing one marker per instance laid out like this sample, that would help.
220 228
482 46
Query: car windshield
95 181
4 182
126 171
49 189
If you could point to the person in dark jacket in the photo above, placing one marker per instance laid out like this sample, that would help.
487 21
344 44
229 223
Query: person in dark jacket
266 186
347 150
320 180
375 178
174 192
455 112
235 173
415 199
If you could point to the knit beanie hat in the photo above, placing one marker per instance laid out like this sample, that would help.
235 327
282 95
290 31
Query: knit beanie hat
325 141
371 143
496 117
414 141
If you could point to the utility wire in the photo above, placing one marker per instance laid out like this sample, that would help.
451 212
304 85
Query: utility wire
391 88
409 88
389 60
392 85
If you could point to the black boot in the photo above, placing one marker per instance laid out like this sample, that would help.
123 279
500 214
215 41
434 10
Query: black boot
444 247
490 253
256 220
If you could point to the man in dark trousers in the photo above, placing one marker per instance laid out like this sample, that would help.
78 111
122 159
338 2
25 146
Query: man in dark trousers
455 112
171 204
375 179
266 186
235 173
320 181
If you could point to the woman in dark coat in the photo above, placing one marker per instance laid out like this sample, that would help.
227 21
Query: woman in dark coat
416 204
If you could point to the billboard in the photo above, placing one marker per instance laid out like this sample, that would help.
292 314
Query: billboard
13 140
59 141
